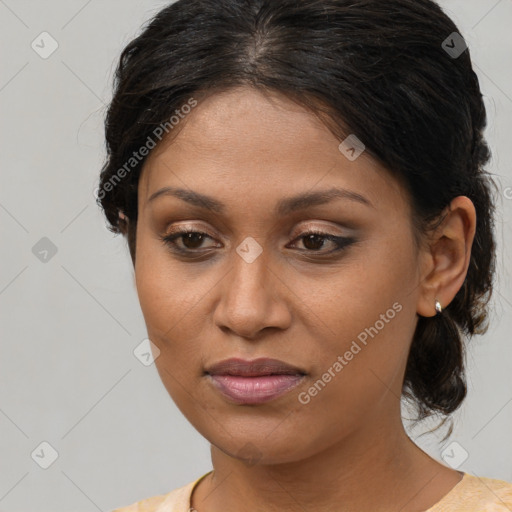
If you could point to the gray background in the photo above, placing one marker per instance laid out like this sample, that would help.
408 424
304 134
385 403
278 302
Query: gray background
68 375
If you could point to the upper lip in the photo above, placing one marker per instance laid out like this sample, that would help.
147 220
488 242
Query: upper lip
254 368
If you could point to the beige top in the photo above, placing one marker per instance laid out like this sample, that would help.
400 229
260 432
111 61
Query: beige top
471 494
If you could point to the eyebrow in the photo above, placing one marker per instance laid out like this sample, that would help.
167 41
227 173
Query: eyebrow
284 206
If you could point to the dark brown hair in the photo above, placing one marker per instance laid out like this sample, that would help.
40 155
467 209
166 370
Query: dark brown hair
380 70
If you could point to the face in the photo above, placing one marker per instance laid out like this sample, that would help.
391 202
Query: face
248 282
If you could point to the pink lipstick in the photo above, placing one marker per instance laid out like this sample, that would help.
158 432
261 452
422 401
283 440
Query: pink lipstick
254 382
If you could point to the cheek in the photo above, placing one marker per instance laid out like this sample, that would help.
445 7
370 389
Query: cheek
167 302
360 371
370 311
165 289
380 274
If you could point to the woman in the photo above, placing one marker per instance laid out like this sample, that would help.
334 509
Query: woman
302 189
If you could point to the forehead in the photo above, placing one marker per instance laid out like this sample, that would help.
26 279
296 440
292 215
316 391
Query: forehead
243 141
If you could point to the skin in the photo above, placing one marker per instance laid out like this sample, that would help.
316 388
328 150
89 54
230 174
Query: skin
346 449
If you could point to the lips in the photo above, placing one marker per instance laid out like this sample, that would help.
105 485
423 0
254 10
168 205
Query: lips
255 368
253 382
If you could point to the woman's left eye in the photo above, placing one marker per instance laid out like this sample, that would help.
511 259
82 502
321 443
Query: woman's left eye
313 241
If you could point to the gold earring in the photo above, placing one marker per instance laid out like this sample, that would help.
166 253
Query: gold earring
439 308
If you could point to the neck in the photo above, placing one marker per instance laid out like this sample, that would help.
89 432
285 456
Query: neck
373 468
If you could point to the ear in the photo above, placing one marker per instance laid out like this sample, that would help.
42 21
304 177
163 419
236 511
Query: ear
123 222
445 259
126 229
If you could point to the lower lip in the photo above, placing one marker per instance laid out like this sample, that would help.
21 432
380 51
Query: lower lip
255 390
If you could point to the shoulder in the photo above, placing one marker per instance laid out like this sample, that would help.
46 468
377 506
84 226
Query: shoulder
146 505
477 494
178 499
487 491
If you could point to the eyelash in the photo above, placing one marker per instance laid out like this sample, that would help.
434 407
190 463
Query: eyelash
340 241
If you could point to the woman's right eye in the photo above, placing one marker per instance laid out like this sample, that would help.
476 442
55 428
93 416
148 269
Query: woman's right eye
190 240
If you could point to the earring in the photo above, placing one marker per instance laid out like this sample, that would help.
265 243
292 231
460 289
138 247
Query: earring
439 308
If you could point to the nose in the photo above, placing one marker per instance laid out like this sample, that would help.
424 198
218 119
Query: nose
253 297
